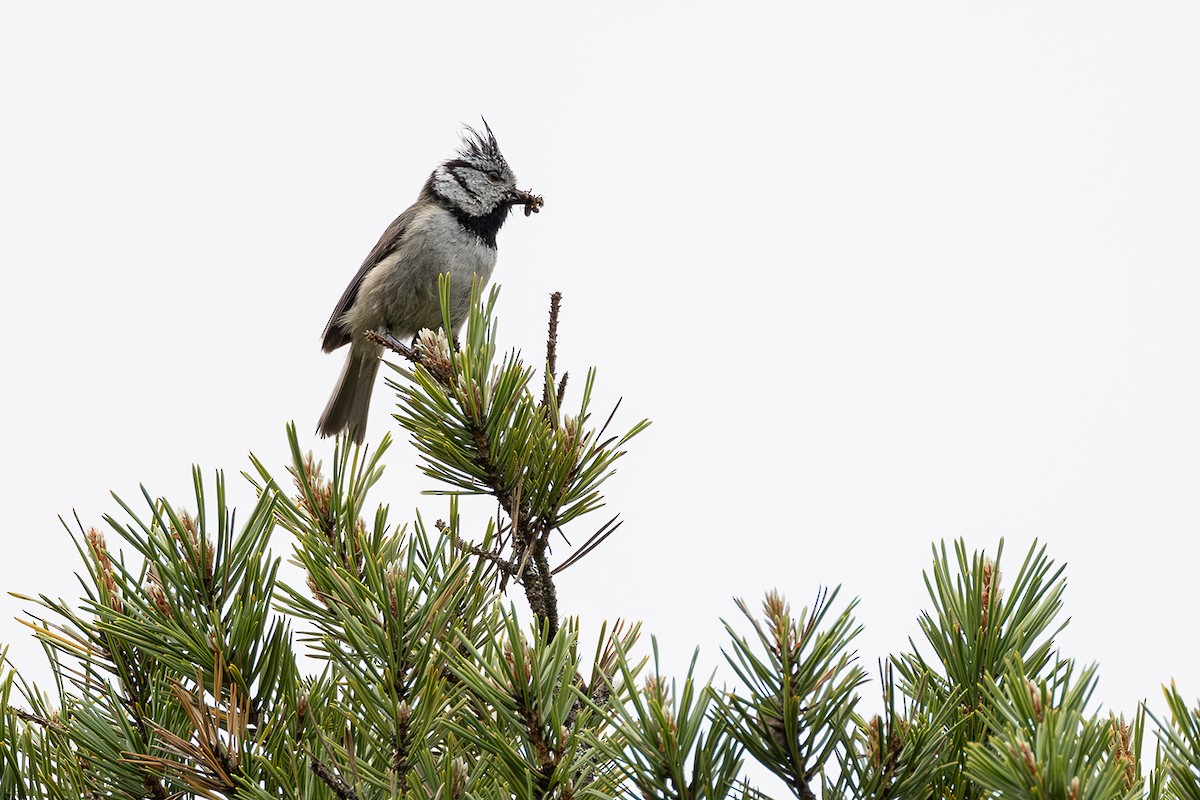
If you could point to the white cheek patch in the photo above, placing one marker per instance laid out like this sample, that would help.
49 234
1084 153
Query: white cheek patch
468 189
448 185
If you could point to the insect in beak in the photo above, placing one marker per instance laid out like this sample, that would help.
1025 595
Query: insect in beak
533 202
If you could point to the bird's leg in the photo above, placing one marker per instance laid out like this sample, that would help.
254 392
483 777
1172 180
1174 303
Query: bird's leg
386 335
384 338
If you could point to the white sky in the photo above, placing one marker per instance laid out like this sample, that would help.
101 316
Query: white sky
881 273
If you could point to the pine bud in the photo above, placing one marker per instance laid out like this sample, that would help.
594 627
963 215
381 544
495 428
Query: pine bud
458 778
775 728
434 350
1122 751
99 548
302 714
991 585
1027 756
1035 698
403 713
571 426
874 754
157 596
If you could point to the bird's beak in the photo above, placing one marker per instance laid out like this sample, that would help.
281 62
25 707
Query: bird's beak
533 203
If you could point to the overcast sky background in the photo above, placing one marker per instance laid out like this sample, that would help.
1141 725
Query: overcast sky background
881 273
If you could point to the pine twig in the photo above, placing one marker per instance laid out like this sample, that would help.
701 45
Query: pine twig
34 718
323 771
552 350
502 564
395 345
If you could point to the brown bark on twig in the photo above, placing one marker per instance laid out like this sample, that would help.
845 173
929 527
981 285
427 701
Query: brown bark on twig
330 779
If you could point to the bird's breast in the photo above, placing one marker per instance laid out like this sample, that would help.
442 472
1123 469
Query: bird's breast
400 293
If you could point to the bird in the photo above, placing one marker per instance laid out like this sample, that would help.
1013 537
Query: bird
451 228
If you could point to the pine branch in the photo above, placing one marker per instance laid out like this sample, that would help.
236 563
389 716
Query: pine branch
530 536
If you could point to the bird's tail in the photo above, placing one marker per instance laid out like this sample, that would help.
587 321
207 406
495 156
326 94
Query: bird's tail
351 400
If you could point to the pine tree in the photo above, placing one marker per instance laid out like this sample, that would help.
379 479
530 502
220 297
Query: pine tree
401 669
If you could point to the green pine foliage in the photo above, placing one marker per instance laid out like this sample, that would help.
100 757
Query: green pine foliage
400 667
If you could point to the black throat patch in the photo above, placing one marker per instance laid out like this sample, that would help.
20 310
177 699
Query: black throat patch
485 227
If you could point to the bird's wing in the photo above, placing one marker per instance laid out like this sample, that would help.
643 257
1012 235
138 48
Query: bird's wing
336 334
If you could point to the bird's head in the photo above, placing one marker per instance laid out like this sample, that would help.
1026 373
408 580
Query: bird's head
479 182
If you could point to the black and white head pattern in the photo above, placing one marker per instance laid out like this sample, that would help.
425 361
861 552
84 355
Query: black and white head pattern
479 182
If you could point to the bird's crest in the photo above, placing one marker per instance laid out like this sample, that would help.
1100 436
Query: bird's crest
481 149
